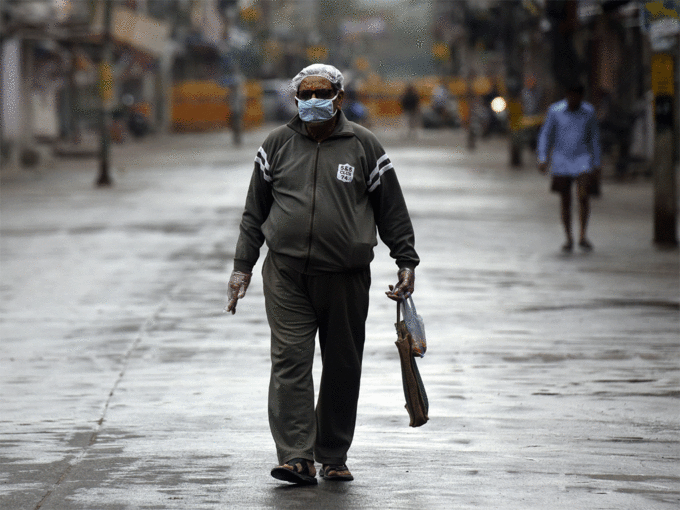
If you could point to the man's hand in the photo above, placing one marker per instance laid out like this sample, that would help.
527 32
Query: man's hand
238 284
405 286
543 167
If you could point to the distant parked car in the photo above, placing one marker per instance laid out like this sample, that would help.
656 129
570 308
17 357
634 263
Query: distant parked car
278 100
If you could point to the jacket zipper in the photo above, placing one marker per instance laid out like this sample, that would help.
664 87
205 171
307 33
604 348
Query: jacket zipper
311 221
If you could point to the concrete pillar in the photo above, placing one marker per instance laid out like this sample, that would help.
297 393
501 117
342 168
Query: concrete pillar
164 90
515 119
665 190
665 87
25 139
676 124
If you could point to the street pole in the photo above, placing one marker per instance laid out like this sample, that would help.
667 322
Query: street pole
106 94
665 180
514 82
26 138
2 78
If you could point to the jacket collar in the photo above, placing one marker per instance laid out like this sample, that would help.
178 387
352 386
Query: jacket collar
342 128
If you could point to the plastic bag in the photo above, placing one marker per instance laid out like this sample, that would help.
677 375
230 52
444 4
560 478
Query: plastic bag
415 326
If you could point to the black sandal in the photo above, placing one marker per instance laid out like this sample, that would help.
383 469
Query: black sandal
299 471
336 473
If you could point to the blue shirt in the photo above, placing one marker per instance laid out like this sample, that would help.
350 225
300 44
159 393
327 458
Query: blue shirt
573 137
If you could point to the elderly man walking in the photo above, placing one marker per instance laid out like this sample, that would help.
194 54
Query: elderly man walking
571 132
321 187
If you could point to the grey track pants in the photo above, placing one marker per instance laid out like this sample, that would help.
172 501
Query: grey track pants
299 305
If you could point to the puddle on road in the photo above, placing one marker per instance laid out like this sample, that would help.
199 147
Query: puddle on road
167 228
127 479
620 394
629 381
29 232
660 488
600 304
88 229
628 478
543 357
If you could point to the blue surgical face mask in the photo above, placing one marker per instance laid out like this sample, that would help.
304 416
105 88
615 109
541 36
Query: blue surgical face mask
316 110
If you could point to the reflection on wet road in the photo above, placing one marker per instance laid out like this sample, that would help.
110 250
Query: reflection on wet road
553 380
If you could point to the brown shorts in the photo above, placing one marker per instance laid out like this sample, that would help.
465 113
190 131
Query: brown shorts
562 183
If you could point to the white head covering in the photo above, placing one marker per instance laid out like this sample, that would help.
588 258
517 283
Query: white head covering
323 70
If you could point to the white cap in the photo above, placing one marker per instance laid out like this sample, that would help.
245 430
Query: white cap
324 71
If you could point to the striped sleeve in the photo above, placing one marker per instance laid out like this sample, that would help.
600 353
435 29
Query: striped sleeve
383 165
263 163
391 214
258 204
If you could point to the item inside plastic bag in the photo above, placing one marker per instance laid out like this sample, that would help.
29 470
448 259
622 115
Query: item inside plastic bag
415 326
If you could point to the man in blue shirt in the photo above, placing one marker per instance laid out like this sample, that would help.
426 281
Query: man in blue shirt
570 131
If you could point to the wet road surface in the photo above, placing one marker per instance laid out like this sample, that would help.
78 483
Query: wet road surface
553 379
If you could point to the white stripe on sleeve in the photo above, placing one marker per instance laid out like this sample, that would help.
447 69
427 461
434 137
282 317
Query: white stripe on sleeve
384 164
261 160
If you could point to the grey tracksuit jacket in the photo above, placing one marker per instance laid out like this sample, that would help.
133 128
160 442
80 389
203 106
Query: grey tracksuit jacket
317 205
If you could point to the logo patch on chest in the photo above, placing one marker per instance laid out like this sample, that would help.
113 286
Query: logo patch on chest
345 173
